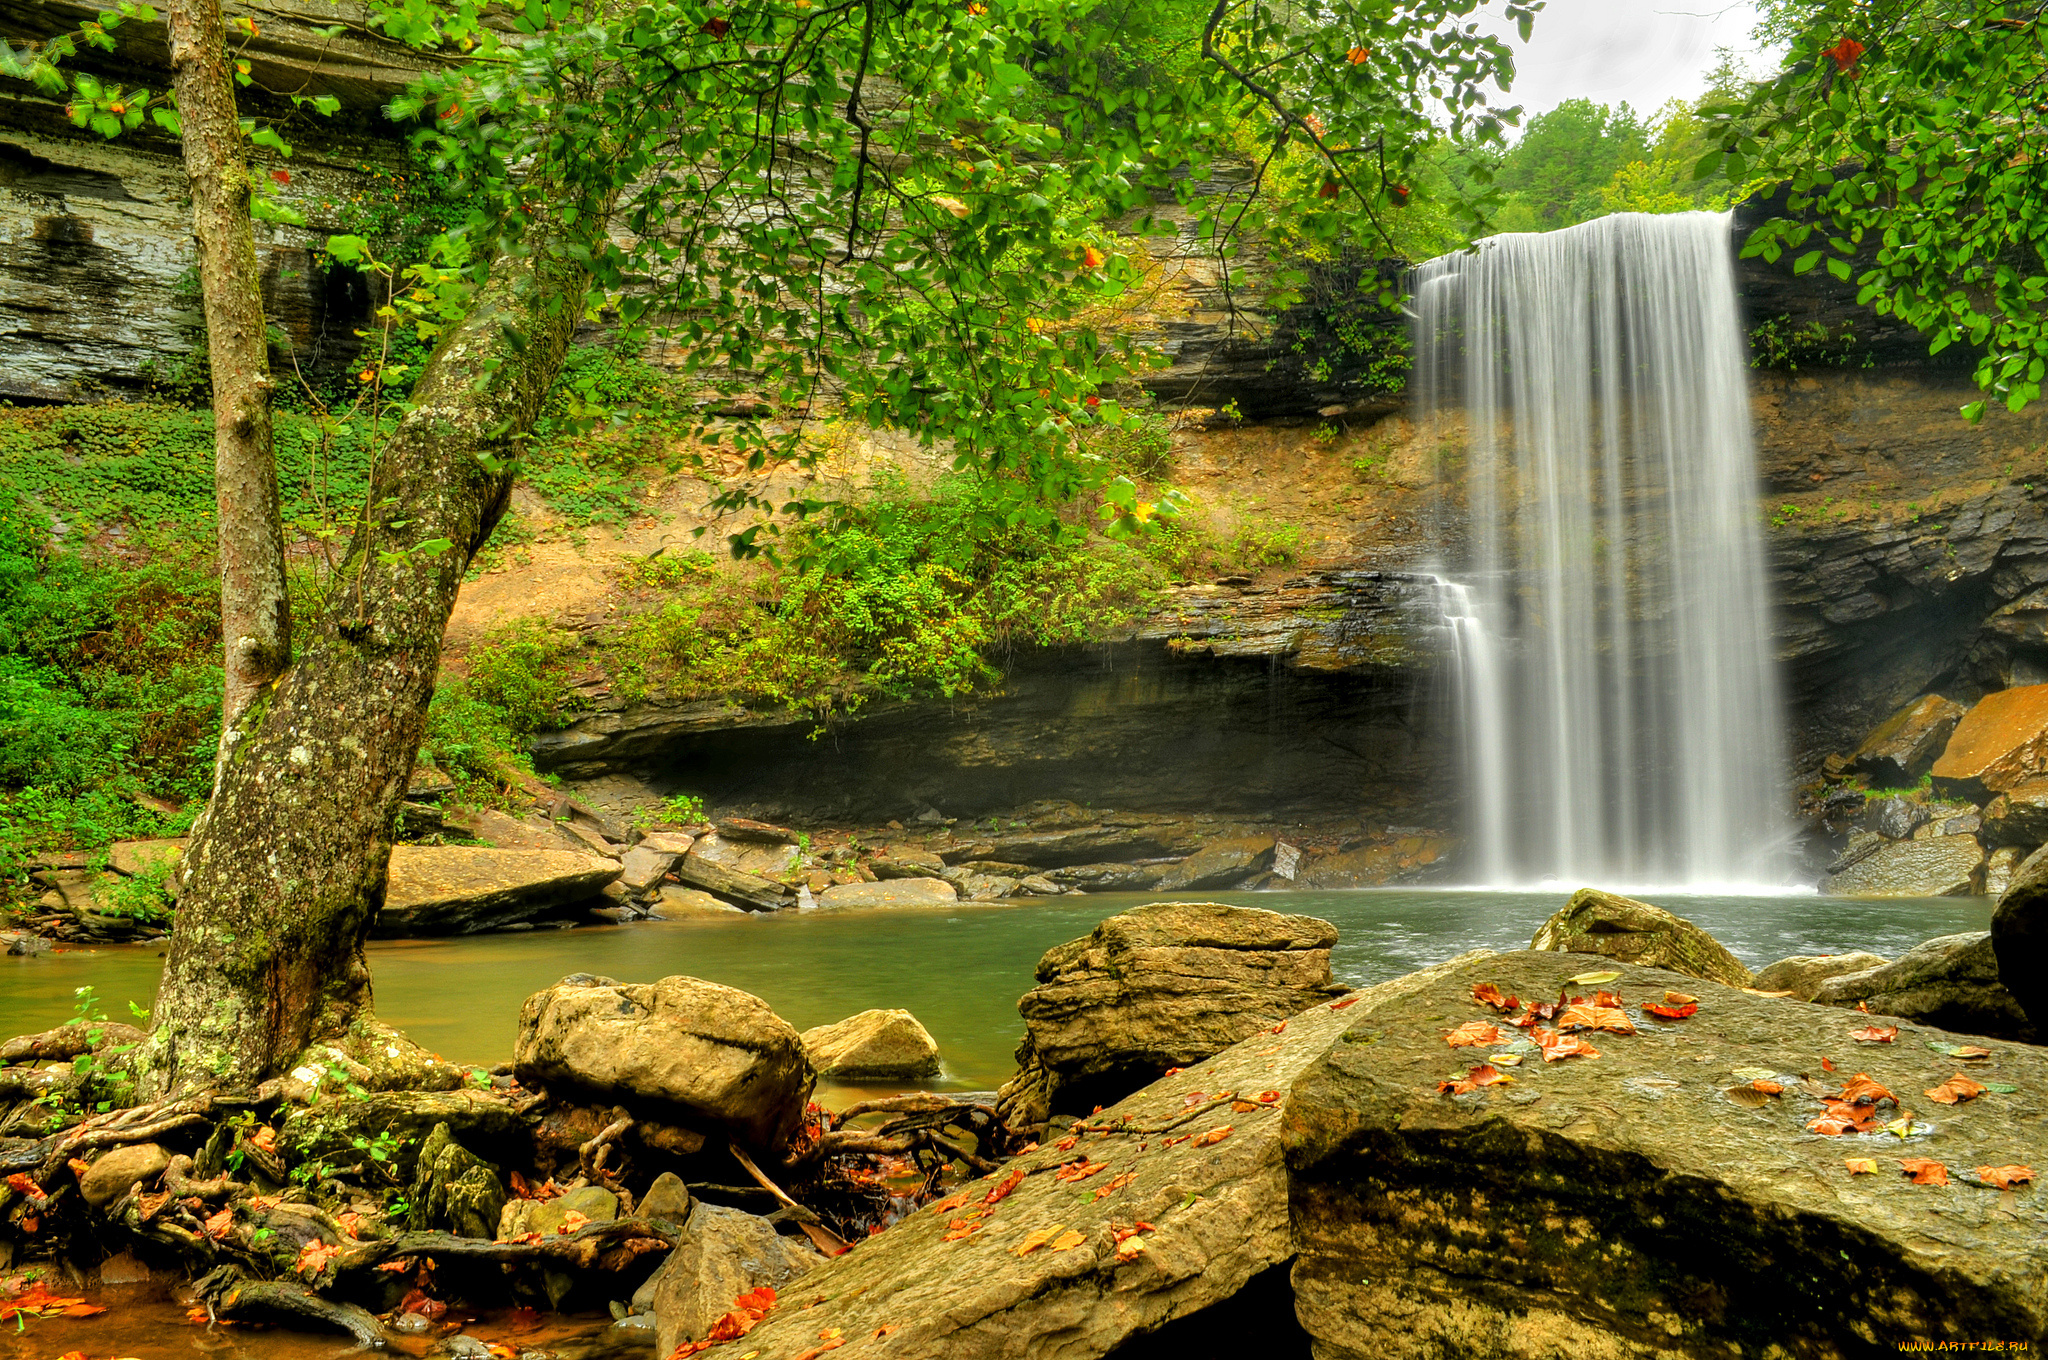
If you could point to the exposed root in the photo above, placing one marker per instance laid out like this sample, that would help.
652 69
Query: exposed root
587 1247
286 1303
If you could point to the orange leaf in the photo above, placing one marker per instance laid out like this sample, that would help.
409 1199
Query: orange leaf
950 1203
1473 1034
1036 1239
1004 1187
961 1228
1557 1047
1861 1090
218 1225
1769 1088
1211 1138
1357 55
1679 999
1596 1017
1924 1172
1092 258
1268 1097
1970 1053
1844 53
1330 189
1827 1065
1486 994
1955 1091
1280 1028
1067 1241
1244 1107
1672 1012
2005 1177
314 1256
1115 1183
1486 1074
1861 1166
1875 1034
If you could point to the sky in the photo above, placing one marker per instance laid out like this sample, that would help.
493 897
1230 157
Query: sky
1610 51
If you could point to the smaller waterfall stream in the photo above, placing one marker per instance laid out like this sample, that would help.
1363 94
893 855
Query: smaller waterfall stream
1618 698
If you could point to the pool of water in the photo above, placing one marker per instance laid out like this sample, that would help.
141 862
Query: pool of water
959 969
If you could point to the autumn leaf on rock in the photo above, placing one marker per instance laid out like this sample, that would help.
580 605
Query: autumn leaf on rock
1684 1012
1067 1241
218 1225
1594 979
1827 1065
1346 1003
1211 1138
1595 1017
1557 1047
1473 1034
2005 1177
1955 1091
1268 1097
1486 994
950 1203
1861 1090
1004 1187
1769 1088
1875 1034
962 1228
1245 1107
1078 1171
1923 1171
1115 1183
1747 1096
1861 1166
314 1256
1037 1238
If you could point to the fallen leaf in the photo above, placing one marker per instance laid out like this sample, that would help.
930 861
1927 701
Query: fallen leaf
1037 1238
962 1228
1672 1012
571 1221
314 1256
1596 1017
219 1225
1861 1090
1769 1088
1486 994
1078 1171
1924 1172
1473 1034
1129 1247
1557 1047
1594 979
1067 1241
1679 999
1967 1052
2005 1177
1955 1091
950 1203
1486 1075
1346 1002
1244 1107
1747 1096
1211 1138
887 1328
1004 1187
1861 1166
1192 1099
1114 1184
1506 1059
1280 1028
1827 1065
1773 995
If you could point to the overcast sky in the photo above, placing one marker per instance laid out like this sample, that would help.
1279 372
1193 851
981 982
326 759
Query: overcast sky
1639 51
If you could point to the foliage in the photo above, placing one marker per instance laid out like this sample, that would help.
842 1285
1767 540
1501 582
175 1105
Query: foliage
1906 134
1255 546
1553 175
1777 343
522 672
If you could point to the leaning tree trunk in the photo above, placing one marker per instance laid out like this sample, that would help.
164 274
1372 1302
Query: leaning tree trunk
255 610
286 868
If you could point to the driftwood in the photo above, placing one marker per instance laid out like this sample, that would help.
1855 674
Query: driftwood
286 1303
822 1237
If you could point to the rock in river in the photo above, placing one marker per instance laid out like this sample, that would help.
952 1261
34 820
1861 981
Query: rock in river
1939 866
1802 974
1952 982
877 1045
1905 745
696 1051
724 1253
1625 1207
1044 1259
1617 927
1219 864
457 890
1161 986
1998 745
2019 939
894 892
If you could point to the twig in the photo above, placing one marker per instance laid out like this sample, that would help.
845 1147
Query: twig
831 1243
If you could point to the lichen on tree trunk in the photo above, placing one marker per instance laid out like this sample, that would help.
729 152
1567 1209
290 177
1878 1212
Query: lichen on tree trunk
286 868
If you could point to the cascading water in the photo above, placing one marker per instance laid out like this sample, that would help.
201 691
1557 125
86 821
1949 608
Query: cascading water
1618 698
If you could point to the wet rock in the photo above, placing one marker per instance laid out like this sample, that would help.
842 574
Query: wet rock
1618 1206
713 1054
1161 986
762 833
1895 818
1862 845
22 944
458 890
2001 869
676 904
1997 746
986 887
118 1170
148 859
1217 1206
1951 981
1906 744
668 1199
2019 939
876 1045
958 873
642 869
503 831
2019 816
1802 974
1108 877
1621 928
731 885
1038 885
454 1189
763 859
668 842
328 1129
904 862
1054 847
724 1253
1400 858
593 1202
895 892
1938 866
1222 863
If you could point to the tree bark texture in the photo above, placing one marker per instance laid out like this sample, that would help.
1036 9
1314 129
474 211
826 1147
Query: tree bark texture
285 872
256 623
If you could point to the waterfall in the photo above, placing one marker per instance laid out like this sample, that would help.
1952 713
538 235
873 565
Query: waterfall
1618 700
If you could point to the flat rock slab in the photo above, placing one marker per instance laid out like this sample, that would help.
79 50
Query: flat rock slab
891 892
1998 744
458 890
1939 866
1218 1214
1906 744
1625 1206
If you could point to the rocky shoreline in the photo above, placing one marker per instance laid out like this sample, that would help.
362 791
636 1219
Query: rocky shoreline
1202 1119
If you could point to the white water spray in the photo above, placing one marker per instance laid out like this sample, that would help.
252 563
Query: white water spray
1617 693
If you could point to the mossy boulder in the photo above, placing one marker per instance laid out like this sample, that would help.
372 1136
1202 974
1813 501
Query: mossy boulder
1626 930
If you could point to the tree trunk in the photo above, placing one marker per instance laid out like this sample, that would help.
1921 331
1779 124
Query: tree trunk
256 622
286 868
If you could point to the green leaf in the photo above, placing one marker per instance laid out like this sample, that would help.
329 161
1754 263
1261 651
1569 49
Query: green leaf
1839 268
1805 263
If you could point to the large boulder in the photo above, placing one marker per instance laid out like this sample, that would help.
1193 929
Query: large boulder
894 892
728 884
1938 866
2019 816
1802 974
1223 863
878 1045
1952 981
1617 927
1158 987
1624 1207
1998 745
117 1171
723 1254
692 1050
1895 818
963 1281
2019 939
1905 745
458 890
